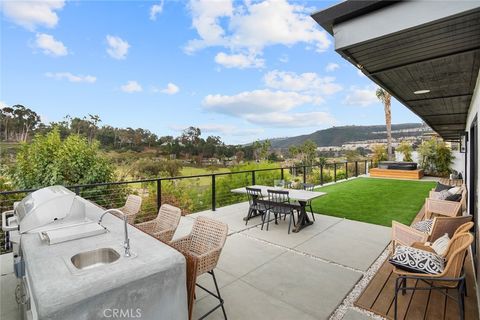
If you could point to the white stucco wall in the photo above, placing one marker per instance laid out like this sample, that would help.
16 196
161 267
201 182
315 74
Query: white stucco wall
472 113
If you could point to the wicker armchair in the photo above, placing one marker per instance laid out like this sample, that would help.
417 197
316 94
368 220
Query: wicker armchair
452 276
445 207
204 245
164 225
131 208
406 235
464 228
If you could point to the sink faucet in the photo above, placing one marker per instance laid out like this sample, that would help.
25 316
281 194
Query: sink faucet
126 242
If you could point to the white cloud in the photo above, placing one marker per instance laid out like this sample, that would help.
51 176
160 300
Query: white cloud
361 96
3 104
283 58
50 45
131 87
305 82
30 14
71 77
293 120
155 10
117 47
170 89
254 25
256 102
269 108
240 61
332 67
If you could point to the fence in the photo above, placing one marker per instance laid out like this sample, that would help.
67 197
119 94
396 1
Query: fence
196 192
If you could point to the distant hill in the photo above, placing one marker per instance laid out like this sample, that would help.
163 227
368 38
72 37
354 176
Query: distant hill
337 136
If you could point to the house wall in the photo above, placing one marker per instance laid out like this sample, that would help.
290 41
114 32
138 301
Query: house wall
473 111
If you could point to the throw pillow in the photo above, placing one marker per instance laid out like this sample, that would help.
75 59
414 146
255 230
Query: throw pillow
439 187
423 226
417 261
441 195
454 197
440 245
454 190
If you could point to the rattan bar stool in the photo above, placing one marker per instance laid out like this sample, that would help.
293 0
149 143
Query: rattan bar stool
204 245
163 227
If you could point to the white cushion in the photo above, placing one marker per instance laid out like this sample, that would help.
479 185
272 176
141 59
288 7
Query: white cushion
440 245
454 190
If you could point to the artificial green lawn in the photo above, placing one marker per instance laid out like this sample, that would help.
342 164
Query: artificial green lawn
373 200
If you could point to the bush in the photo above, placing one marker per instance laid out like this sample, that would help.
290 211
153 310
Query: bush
406 149
49 160
435 157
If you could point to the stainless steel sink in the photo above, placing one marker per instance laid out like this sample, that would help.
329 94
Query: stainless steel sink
94 258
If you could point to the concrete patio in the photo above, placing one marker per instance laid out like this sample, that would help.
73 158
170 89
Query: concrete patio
272 274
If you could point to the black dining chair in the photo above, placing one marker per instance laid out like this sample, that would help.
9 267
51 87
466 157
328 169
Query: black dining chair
309 187
279 204
254 194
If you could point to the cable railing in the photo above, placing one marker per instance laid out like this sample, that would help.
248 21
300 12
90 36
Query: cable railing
196 193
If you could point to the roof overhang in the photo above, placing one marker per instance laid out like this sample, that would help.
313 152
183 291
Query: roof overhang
423 45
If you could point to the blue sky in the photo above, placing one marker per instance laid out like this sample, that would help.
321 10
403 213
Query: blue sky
241 70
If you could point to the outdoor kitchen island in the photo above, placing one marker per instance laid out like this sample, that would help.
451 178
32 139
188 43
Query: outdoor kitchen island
150 284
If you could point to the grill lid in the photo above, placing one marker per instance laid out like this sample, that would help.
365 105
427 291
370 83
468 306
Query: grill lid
44 206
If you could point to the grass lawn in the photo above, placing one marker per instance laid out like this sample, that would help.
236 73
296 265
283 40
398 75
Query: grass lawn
372 200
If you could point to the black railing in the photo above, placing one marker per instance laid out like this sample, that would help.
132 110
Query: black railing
195 193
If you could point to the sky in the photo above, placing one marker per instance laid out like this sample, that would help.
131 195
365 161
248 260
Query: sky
242 70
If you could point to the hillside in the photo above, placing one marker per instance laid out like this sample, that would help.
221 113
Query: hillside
336 136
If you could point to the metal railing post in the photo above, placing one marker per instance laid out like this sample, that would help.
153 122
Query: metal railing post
159 194
282 174
304 174
253 177
335 172
321 175
77 191
356 168
214 196
346 170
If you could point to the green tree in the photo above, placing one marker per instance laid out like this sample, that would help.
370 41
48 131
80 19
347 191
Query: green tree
386 98
309 151
406 149
379 153
435 157
49 160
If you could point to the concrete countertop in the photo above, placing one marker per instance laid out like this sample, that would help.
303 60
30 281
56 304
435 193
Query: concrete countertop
55 285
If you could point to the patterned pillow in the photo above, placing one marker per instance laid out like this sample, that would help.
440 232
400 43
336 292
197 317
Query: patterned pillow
417 261
442 195
423 226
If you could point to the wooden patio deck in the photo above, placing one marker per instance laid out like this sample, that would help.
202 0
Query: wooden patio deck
379 295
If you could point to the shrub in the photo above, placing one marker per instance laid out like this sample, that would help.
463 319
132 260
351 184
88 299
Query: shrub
49 160
435 157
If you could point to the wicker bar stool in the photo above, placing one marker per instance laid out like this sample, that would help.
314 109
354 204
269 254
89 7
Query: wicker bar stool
131 208
163 227
204 245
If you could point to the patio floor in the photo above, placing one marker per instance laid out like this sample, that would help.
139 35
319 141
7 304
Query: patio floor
272 274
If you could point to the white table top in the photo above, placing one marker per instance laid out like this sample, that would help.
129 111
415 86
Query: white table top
299 195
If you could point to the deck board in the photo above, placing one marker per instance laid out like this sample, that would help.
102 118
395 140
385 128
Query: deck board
378 296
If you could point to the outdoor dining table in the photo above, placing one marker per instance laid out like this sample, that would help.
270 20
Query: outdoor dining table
302 196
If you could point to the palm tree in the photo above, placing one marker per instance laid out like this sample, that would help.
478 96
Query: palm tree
385 97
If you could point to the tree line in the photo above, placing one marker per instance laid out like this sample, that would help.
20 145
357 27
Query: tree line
19 124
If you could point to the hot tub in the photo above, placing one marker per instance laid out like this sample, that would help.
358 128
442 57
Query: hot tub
394 165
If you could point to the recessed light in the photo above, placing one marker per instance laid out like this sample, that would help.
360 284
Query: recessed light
421 91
